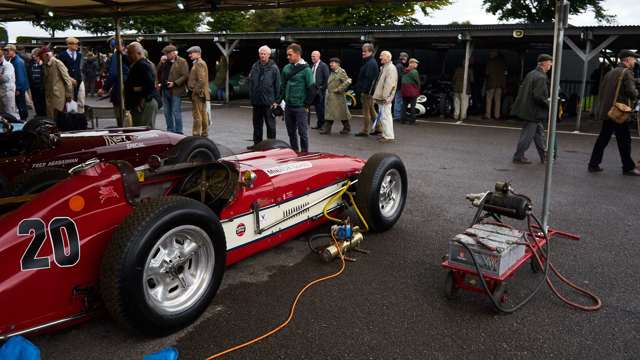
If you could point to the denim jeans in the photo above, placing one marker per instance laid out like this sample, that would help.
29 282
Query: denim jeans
172 111
397 106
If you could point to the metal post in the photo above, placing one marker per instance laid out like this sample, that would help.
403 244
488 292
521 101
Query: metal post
226 54
465 80
120 71
562 11
583 85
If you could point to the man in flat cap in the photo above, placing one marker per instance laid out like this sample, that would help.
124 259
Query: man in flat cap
200 93
618 85
58 85
140 95
72 59
173 73
22 81
532 107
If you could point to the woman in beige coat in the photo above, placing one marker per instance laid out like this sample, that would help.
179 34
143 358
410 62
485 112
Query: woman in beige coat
334 102
58 86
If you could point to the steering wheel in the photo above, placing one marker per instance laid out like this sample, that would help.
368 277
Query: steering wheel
6 125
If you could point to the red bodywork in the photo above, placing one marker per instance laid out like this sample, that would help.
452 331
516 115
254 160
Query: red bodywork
69 149
30 298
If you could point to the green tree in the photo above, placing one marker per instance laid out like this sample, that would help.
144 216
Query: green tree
539 11
51 25
99 26
4 36
180 23
231 21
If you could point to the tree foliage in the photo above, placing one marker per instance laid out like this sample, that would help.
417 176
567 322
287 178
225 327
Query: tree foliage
181 23
52 25
539 11
4 36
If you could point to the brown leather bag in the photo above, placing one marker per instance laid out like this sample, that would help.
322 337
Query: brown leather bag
619 112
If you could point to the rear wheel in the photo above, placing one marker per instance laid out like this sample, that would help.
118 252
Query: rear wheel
163 266
381 191
37 180
271 144
193 148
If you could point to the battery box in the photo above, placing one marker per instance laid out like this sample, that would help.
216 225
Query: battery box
493 245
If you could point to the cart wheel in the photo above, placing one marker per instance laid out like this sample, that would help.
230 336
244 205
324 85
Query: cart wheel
499 292
535 267
450 288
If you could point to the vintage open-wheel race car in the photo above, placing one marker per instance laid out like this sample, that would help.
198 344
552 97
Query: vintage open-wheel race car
151 244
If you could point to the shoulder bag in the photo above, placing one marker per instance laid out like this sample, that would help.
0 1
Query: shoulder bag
619 112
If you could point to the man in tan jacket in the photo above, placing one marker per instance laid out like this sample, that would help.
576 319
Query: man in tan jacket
384 94
172 76
199 86
58 85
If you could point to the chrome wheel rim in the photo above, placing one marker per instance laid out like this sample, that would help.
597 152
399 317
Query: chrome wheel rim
178 270
390 193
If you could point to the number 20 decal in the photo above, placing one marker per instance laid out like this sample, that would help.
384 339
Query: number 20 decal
62 256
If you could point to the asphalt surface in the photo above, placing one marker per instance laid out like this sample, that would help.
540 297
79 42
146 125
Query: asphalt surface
390 304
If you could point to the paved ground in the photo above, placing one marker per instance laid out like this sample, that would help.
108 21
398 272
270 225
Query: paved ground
389 304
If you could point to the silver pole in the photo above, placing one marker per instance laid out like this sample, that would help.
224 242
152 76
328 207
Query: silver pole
562 10
465 80
120 71
583 85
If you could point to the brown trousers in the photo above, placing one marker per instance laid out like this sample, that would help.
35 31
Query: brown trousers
369 113
200 119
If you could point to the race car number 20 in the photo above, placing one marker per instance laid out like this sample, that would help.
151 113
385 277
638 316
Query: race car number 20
63 255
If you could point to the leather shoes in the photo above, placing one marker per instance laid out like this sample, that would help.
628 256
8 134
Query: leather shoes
523 161
316 127
634 172
362 134
594 169
375 132
251 147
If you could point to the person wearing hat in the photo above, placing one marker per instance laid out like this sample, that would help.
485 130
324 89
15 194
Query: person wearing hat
200 93
618 85
22 80
335 102
173 73
532 107
410 90
58 84
7 87
140 94
35 73
72 59
264 84
496 80
398 105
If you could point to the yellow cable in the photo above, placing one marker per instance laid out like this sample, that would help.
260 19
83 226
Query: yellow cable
334 199
293 306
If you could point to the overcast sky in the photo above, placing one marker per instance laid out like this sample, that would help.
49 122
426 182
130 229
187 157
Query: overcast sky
461 10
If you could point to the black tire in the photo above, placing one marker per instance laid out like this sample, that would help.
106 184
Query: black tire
122 286
271 144
368 190
37 180
193 148
450 288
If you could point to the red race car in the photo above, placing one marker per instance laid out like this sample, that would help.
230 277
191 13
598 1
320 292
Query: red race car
38 156
151 245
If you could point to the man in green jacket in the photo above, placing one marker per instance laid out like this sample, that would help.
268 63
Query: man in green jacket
298 91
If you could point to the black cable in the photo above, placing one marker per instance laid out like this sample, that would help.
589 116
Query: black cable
314 237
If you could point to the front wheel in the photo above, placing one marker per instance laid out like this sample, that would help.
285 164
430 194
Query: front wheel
163 265
381 191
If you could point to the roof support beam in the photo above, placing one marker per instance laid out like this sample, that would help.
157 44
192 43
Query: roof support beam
226 52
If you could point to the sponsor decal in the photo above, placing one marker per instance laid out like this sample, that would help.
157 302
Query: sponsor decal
116 139
287 168
61 162
241 229
150 135
135 145
107 192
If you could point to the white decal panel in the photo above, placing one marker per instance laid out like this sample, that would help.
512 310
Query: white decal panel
296 211
287 168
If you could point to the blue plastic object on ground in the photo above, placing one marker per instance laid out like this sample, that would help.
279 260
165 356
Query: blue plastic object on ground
19 348
169 353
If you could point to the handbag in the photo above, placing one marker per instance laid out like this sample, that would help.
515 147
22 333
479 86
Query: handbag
619 112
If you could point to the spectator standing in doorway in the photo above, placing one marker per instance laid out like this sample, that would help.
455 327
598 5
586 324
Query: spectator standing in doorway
221 78
398 105
532 106
111 83
366 78
72 59
298 91
320 72
141 97
22 80
35 72
618 85
58 84
494 83
264 85
172 76
91 71
335 102
410 90
460 96
200 93
7 87
385 91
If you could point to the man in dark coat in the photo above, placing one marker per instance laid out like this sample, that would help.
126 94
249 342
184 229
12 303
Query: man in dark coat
72 59
627 94
366 78
35 73
112 83
320 72
264 85
532 106
140 94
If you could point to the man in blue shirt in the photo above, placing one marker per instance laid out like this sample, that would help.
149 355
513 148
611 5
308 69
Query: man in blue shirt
22 82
